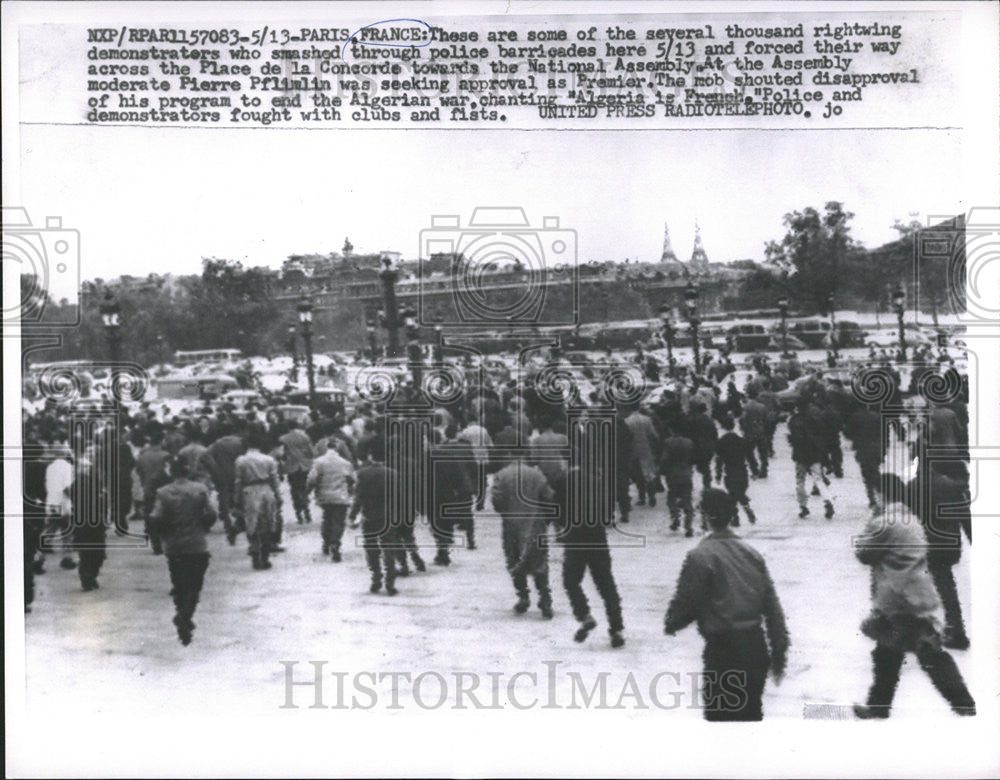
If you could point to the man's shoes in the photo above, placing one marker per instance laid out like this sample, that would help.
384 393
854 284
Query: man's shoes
376 586
803 512
418 563
442 559
828 509
391 589
815 490
675 525
689 533
326 548
617 640
652 500
67 563
38 566
522 605
335 556
587 625
276 548
90 584
403 571
871 712
751 517
955 639
546 610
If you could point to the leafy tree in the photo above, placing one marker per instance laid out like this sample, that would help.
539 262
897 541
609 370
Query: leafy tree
816 251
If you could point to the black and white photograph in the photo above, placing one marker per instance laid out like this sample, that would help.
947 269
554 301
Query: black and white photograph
477 389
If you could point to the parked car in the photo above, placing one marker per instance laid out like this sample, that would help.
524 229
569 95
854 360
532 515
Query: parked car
887 338
777 342
747 336
241 399
812 332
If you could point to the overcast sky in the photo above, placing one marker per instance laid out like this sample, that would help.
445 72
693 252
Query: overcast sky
159 200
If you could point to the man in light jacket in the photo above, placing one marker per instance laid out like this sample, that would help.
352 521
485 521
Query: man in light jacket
905 606
518 491
332 478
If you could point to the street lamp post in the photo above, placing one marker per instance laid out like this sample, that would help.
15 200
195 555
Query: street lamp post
389 276
783 309
111 317
438 351
691 294
667 315
305 317
899 303
370 328
295 353
834 340
414 352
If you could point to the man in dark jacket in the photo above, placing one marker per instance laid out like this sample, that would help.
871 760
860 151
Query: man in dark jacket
151 466
753 423
703 435
725 586
868 436
376 489
453 490
582 529
222 454
806 437
733 459
677 467
182 513
91 503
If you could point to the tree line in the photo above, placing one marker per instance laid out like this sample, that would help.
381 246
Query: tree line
815 264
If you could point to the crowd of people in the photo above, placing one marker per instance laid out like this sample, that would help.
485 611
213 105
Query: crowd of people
543 460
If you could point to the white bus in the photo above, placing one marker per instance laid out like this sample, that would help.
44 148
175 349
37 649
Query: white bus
190 357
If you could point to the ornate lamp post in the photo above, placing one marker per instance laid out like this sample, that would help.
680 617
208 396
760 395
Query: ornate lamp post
111 317
783 309
667 315
834 339
370 329
389 276
305 309
438 351
295 353
899 304
691 294
414 352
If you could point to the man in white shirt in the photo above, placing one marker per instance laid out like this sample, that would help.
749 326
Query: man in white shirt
58 479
